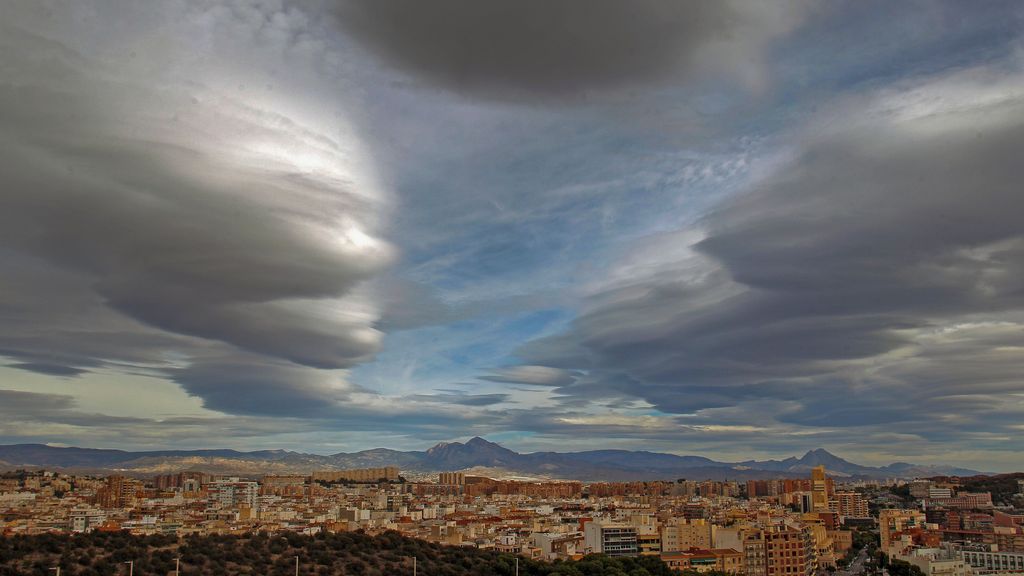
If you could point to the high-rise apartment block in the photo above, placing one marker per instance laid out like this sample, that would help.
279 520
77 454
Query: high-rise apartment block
119 492
230 492
850 505
820 492
789 551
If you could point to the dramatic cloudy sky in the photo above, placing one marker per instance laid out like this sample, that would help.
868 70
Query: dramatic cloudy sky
726 227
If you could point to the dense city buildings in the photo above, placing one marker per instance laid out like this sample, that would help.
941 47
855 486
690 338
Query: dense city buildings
387 473
955 532
783 527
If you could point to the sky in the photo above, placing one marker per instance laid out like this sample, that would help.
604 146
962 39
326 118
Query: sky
739 229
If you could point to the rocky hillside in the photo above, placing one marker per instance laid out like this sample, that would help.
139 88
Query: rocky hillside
477 452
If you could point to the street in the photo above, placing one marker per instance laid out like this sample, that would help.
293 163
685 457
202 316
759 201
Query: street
857 566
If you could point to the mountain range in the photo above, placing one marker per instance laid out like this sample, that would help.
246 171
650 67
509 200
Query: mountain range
609 465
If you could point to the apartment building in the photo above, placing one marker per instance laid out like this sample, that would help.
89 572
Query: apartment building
789 551
682 534
610 539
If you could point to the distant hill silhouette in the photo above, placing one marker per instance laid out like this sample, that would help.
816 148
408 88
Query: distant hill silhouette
477 452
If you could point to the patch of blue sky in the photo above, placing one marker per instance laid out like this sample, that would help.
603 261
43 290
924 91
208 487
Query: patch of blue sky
439 357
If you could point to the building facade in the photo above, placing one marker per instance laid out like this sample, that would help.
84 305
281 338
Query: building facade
610 539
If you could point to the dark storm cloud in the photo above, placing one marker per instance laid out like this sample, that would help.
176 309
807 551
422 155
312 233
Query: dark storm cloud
152 218
38 417
500 47
245 384
876 277
45 310
156 221
138 217
964 379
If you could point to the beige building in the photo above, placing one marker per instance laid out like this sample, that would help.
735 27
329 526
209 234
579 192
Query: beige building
755 555
389 473
936 562
819 490
648 543
842 541
681 534
747 539
790 551
824 548
892 521
451 478
850 505
119 492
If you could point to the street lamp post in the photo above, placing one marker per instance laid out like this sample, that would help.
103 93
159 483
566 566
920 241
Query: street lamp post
296 558
413 564
131 567
57 570
177 566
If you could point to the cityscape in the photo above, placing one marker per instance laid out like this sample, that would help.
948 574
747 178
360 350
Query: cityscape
511 288
812 525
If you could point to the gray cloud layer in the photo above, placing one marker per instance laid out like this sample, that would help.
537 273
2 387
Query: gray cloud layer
156 215
882 265
202 212
508 48
157 220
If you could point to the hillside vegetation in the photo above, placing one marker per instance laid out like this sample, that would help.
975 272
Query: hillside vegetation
346 553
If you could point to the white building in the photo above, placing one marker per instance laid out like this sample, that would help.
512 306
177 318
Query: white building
86 519
936 562
610 539
984 561
231 492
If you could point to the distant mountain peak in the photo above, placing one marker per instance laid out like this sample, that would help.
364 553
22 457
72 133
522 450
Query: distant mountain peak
476 451
821 456
477 441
